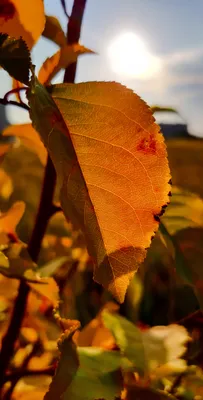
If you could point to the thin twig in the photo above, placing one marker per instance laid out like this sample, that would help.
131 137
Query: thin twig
177 381
63 3
13 91
6 102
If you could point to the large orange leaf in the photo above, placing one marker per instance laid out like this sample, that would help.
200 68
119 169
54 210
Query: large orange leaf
20 18
111 162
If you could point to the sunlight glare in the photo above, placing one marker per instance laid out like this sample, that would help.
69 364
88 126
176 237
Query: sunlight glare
130 57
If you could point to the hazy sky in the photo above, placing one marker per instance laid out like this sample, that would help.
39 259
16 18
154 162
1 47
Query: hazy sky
172 30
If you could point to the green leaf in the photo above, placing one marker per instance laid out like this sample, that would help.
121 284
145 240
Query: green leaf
67 365
185 210
190 242
53 31
98 376
15 57
163 109
181 264
129 339
108 156
50 268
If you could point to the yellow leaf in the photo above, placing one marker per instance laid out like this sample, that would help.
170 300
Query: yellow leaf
29 137
53 31
65 56
95 333
20 18
31 387
10 219
6 186
42 361
49 290
112 166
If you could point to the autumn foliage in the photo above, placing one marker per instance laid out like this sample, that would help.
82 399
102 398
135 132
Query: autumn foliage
88 303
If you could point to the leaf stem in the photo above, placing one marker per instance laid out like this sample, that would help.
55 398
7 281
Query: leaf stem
6 102
13 91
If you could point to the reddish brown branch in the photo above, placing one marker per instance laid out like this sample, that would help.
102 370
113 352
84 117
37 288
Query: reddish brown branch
73 35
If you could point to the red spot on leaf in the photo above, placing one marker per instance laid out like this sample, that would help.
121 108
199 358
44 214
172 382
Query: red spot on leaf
147 145
7 9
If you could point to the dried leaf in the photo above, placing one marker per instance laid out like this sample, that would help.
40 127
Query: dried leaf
29 137
53 31
15 57
112 168
60 60
18 18
67 365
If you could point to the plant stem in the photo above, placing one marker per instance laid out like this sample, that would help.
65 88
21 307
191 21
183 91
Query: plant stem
13 91
44 211
73 35
63 3
6 102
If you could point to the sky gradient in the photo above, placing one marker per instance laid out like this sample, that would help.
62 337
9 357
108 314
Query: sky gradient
172 30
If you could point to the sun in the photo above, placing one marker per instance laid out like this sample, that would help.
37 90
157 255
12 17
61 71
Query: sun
130 57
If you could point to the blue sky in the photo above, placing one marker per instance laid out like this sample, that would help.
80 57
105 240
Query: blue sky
172 30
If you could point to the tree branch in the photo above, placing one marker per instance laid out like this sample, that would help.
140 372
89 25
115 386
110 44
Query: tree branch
45 206
63 3
73 35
